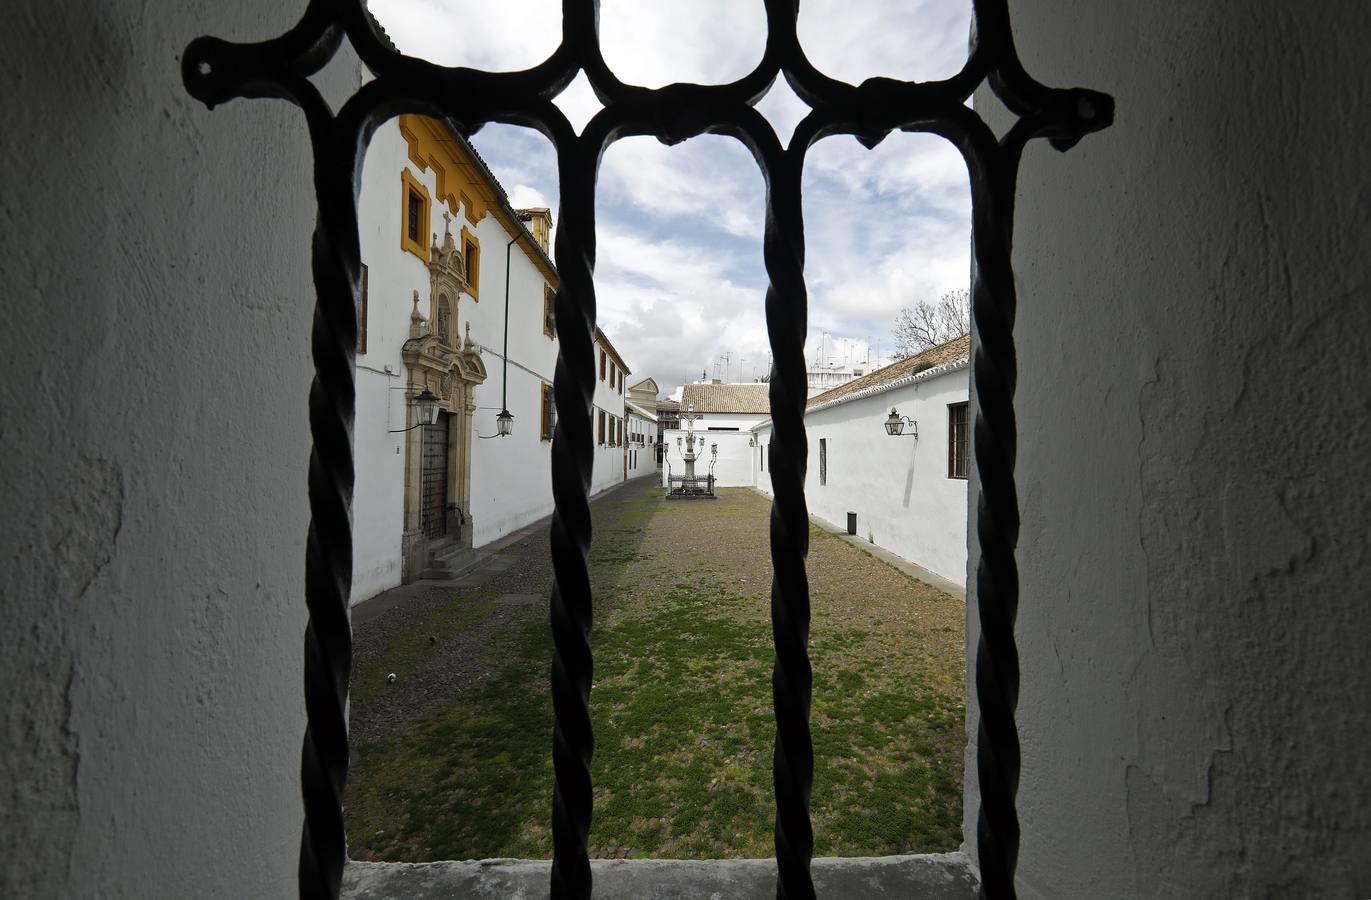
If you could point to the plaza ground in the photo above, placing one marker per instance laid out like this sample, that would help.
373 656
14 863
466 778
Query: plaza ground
451 761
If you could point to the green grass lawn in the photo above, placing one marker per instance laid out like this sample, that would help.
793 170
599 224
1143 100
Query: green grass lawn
681 705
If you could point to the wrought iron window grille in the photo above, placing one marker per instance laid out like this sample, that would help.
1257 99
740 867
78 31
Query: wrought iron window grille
216 71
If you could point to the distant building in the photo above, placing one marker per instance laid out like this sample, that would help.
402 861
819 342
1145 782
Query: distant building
668 419
826 377
640 408
726 407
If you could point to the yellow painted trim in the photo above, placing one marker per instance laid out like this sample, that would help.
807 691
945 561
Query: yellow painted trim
473 278
461 181
614 354
409 183
469 208
549 302
545 400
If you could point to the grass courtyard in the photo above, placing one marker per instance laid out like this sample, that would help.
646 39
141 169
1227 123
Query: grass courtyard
452 760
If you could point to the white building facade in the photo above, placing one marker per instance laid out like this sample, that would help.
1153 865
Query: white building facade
611 458
909 493
640 444
435 230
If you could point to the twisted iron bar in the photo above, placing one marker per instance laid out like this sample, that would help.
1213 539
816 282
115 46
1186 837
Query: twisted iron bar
215 71
792 678
328 562
572 462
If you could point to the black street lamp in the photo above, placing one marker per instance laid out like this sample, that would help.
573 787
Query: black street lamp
895 425
425 411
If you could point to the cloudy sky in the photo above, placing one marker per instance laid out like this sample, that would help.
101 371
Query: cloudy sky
679 276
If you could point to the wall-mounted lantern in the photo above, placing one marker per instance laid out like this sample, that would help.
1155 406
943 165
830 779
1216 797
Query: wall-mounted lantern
896 424
713 449
425 411
504 423
752 442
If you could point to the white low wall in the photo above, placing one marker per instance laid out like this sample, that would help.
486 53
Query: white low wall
734 466
898 486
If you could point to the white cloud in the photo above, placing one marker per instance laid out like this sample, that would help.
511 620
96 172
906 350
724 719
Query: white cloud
704 41
503 36
907 39
523 196
710 180
578 102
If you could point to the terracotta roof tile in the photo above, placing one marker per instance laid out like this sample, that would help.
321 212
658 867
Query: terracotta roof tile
727 398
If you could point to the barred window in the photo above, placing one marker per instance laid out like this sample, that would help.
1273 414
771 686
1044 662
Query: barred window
545 416
416 212
956 440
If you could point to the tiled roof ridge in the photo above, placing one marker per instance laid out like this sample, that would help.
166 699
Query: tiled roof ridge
747 397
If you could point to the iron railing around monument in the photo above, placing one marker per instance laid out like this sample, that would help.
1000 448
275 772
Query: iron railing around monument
216 71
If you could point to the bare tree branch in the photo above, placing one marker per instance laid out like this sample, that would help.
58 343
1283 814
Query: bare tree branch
925 324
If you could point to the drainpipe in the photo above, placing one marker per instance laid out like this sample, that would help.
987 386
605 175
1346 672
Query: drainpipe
504 374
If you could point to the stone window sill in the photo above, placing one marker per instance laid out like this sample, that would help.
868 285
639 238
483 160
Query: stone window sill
945 876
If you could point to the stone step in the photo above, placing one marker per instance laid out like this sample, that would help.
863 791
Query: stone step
449 563
449 552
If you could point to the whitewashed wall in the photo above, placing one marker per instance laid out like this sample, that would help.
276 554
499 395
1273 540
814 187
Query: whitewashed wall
741 421
154 442
1193 335
378 499
897 486
640 458
511 481
609 458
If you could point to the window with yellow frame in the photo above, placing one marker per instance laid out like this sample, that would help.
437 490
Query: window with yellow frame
415 207
471 258
545 415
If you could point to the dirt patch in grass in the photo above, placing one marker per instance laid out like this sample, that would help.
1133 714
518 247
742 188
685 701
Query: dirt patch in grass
681 703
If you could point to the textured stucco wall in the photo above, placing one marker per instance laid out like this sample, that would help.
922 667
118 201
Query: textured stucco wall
153 448
897 486
1194 331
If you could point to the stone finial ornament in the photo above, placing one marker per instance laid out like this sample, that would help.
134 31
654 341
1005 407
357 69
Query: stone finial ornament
416 320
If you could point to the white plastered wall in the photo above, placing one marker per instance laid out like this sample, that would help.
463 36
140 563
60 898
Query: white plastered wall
641 433
1194 332
898 486
154 442
511 481
609 458
741 421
